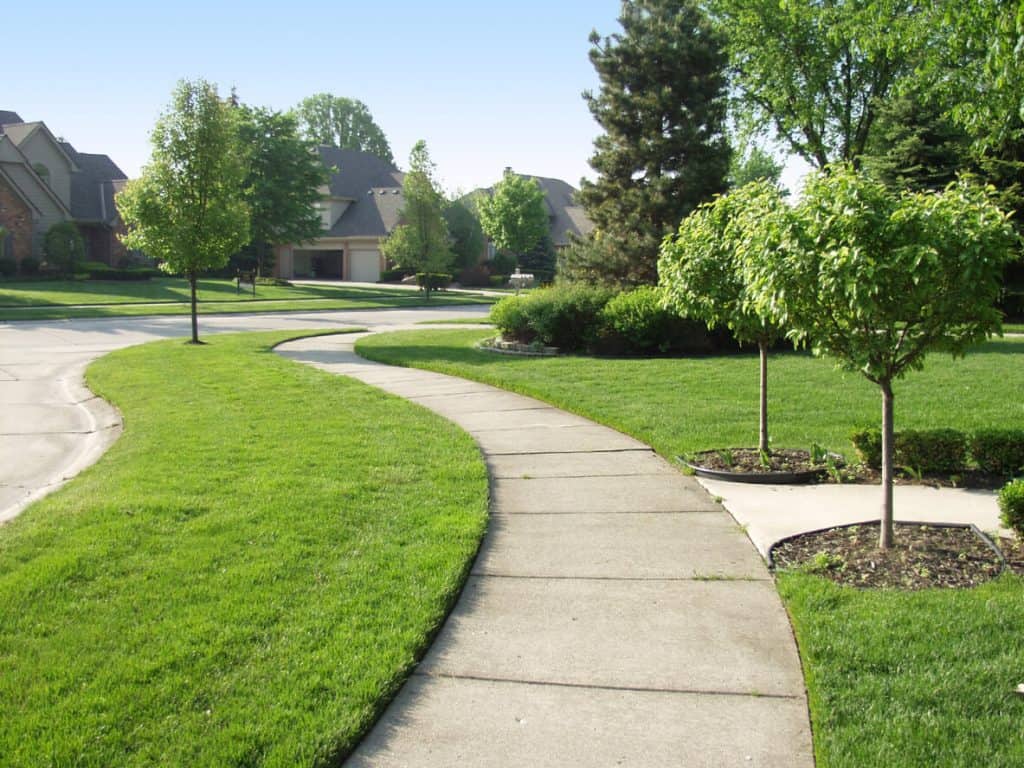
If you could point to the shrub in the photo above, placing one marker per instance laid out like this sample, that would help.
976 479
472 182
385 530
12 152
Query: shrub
999 451
63 246
868 444
510 317
564 316
394 275
8 267
270 281
30 265
478 276
932 451
436 281
1011 506
499 281
111 273
637 323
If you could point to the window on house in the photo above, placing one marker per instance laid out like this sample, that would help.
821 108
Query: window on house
42 171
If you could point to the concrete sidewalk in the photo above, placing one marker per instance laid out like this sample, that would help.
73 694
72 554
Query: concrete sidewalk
615 615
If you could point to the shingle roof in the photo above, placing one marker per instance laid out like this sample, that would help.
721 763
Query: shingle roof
375 214
8 117
356 172
94 185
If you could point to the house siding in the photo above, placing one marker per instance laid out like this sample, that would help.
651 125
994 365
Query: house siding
39 149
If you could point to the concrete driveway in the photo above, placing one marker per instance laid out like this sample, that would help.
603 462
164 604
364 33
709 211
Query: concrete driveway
52 427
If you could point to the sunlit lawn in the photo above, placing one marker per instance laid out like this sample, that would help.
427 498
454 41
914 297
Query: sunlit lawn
244 579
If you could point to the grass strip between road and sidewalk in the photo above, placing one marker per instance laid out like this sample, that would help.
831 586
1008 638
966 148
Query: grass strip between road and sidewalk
894 678
245 578
51 300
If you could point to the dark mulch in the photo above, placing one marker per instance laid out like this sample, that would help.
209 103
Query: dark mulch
1013 551
923 557
749 460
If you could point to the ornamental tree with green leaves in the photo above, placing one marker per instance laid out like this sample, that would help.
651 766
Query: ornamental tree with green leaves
63 246
815 73
878 280
514 215
468 241
282 183
188 207
663 150
701 270
421 240
344 123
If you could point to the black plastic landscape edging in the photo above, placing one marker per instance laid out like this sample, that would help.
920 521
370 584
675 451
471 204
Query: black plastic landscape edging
977 532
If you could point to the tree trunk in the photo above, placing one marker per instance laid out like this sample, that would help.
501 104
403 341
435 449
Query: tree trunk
762 443
195 314
886 536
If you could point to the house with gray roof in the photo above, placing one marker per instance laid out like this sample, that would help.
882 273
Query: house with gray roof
45 180
360 207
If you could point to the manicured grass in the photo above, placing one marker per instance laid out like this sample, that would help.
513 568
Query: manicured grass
482 320
245 578
911 679
1013 328
894 679
684 405
170 296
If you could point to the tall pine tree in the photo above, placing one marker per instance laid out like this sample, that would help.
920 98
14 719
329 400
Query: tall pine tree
664 150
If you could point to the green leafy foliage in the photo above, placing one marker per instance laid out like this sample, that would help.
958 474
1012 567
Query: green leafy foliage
340 122
514 216
188 208
935 451
663 150
282 182
1011 506
421 241
815 73
752 163
64 247
638 322
999 451
563 316
468 241
868 444
8 267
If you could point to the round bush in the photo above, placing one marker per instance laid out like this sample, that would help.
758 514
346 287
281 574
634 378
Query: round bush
637 323
1011 506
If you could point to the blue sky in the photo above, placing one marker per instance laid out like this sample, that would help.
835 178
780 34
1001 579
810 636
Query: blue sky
486 84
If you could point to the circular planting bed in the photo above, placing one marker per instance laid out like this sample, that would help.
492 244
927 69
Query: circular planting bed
749 465
517 348
923 556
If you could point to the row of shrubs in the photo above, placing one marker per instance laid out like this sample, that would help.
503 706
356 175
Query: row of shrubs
87 270
584 318
946 451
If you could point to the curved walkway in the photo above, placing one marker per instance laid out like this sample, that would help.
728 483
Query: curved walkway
615 614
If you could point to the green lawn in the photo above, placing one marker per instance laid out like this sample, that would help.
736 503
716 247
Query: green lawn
894 679
683 405
170 296
245 578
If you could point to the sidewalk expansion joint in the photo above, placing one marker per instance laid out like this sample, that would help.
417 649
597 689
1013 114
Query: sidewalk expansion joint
600 687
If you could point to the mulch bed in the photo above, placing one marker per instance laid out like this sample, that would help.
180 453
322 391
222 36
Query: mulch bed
749 461
922 557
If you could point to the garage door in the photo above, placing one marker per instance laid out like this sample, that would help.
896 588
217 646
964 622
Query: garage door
364 266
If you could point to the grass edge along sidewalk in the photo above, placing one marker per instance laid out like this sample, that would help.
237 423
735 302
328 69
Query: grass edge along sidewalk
894 678
246 577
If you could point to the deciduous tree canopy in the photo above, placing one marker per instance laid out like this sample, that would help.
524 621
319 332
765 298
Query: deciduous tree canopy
340 122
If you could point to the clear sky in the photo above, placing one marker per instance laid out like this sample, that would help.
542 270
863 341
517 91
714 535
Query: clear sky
486 84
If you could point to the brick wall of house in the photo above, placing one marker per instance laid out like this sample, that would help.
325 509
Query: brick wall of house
16 218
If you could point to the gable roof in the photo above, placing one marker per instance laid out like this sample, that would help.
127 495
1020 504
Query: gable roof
8 117
374 187
21 172
19 133
94 186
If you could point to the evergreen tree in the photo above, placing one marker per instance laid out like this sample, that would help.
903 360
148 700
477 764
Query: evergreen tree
664 149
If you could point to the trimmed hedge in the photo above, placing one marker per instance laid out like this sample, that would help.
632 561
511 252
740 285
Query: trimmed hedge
8 267
394 275
999 451
637 323
1011 506
564 316
437 281
946 451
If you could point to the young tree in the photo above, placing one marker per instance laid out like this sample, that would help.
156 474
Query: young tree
63 246
815 73
664 150
878 280
188 207
514 216
282 183
421 241
701 269
344 123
